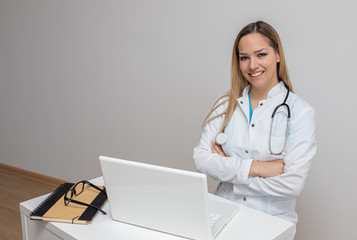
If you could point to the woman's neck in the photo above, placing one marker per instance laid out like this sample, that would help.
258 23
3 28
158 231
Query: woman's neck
258 94
261 93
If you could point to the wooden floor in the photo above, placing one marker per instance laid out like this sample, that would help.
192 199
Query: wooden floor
15 187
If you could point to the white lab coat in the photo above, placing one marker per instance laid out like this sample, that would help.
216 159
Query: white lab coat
247 142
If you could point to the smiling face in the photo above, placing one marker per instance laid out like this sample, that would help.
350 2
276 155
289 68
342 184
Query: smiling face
258 61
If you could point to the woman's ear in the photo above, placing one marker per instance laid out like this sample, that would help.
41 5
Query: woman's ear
278 57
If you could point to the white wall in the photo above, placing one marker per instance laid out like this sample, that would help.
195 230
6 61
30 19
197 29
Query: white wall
134 79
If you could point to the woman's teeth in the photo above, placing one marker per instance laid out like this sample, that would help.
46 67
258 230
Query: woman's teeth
256 74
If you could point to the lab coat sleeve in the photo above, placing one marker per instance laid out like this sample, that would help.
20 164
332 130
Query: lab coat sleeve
225 169
300 149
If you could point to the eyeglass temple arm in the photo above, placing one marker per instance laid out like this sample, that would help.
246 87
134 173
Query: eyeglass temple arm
88 205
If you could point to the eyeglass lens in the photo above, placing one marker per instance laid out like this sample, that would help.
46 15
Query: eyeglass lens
74 191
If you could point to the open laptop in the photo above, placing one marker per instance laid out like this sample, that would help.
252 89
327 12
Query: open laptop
164 199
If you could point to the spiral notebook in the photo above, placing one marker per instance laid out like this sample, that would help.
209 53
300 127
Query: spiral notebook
53 209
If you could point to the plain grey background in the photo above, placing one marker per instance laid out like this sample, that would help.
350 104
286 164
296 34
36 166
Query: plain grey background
135 79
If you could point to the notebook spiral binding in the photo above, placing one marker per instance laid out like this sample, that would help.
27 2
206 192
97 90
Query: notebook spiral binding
51 199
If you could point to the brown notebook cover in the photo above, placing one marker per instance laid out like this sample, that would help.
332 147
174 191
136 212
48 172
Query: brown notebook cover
53 208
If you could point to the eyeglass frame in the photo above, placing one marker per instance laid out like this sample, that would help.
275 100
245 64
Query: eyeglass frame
73 193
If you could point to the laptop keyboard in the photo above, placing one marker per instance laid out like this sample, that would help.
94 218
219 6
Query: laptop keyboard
214 218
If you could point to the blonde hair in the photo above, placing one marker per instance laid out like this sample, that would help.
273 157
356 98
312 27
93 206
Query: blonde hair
238 82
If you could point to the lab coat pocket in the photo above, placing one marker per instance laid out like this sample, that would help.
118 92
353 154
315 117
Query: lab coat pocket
278 133
282 206
277 145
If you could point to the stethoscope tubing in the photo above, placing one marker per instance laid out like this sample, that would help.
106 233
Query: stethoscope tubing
286 132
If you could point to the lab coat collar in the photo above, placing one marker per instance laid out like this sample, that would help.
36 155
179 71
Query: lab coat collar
277 89
243 101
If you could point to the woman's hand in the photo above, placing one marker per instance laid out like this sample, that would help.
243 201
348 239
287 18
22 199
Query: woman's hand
259 168
267 168
216 148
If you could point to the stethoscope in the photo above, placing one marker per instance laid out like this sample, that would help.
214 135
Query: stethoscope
221 138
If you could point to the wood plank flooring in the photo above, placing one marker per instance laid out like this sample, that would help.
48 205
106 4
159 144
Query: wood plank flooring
15 187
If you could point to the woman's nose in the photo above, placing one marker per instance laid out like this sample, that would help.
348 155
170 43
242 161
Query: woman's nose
253 64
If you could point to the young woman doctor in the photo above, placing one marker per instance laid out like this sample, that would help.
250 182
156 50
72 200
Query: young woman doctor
261 159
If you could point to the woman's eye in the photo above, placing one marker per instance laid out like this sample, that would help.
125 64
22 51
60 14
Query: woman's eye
262 54
243 58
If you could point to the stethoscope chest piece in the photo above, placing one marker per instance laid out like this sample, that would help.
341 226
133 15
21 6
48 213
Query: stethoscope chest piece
221 138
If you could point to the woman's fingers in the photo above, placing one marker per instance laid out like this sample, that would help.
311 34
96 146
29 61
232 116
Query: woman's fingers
217 149
267 168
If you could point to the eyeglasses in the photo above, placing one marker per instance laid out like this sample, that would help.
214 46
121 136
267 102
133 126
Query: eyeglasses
78 189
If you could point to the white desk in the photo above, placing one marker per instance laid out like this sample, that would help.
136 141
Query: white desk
248 224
